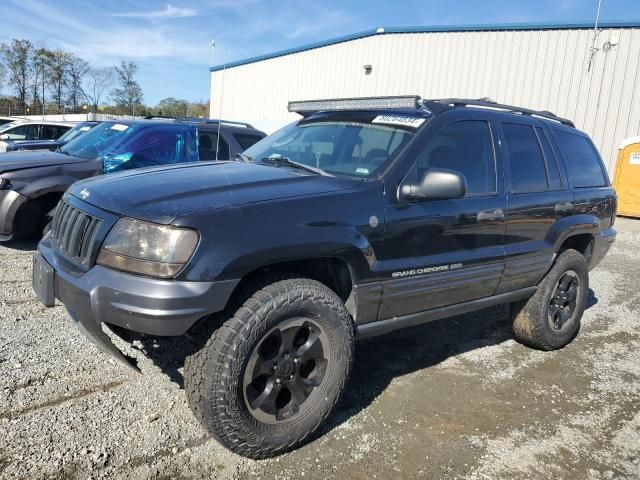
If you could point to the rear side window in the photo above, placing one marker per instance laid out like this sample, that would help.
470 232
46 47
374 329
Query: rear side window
528 171
246 140
466 147
555 183
212 148
52 132
583 164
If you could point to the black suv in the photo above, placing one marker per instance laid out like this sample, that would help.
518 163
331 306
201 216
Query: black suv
32 183
364 216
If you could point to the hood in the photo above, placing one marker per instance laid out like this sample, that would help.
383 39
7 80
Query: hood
161 194
31 159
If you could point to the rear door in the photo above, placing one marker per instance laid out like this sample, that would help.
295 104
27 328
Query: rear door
443 252
538 199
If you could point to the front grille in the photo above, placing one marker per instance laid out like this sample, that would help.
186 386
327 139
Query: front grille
74 233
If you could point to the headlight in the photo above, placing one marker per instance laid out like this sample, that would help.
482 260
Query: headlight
147 248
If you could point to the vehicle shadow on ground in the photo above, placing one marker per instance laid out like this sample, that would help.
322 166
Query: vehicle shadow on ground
21 245
378 360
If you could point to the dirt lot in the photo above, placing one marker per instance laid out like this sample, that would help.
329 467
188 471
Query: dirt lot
456 398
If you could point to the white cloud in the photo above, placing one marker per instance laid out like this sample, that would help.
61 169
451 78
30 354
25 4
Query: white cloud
169 12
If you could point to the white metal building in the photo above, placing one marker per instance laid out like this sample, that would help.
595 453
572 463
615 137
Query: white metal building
560 68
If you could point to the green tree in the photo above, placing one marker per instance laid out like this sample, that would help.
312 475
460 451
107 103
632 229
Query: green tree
39 64
173 107
128 94
16 56
58 80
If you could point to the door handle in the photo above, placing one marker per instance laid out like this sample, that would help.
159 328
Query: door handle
563 207
490 215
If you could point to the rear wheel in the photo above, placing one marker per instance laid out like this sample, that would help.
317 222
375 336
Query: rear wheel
271 374
550 319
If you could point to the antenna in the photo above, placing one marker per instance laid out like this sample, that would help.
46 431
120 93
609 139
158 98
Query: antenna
596 33
224 69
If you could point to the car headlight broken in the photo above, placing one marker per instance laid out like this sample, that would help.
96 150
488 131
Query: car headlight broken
147 248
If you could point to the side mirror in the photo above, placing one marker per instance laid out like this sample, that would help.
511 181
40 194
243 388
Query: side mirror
437 184
4 136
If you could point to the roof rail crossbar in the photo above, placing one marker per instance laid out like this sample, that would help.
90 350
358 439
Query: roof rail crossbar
488 103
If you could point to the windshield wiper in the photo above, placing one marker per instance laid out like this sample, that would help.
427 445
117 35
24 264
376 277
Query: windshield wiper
287 162
243 157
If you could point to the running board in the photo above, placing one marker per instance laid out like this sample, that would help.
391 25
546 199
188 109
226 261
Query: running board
380 327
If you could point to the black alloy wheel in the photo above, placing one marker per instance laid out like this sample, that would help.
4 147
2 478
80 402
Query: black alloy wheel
562 307
285 369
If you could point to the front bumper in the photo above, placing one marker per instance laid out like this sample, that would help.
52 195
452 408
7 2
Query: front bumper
10 202
141 304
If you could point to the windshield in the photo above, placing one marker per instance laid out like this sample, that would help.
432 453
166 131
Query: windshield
124 146
98 140
75 132
351 148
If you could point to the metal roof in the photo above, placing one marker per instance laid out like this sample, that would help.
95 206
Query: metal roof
428 29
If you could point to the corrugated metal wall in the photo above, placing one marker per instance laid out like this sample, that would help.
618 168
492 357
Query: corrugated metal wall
540 69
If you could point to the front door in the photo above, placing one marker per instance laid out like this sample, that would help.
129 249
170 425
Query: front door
444 252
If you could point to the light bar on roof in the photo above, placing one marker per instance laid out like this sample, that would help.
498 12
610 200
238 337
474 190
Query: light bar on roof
365 103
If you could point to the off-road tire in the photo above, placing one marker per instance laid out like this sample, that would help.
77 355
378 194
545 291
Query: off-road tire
531 324
214 374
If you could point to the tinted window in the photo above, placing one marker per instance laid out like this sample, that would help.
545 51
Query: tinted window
555 183
582 162
528 172
52 132
207 145
246 140
467 148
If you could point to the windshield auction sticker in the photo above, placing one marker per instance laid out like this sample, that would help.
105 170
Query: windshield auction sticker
403 120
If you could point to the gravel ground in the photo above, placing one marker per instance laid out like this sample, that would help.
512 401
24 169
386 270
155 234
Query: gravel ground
457 398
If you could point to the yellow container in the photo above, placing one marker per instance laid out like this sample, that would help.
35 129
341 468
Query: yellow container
627 177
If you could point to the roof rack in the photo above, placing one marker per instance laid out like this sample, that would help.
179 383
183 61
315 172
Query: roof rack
199 120
306 107
222 122
488 103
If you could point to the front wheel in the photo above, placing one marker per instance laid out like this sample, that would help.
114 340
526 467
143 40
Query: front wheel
550 319
270 375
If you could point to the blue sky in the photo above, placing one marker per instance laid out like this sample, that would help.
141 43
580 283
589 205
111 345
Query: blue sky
171 41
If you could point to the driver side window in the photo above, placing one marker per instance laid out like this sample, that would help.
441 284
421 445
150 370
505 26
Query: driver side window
465 147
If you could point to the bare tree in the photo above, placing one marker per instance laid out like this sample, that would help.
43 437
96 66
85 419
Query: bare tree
77 70
96 83
59 75
128 95
38 66
16 57
3 73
